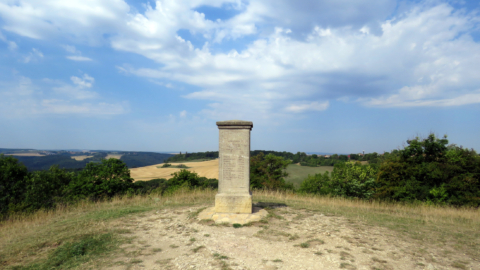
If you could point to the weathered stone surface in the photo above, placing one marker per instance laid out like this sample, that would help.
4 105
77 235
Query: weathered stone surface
232 218
234 167
233 203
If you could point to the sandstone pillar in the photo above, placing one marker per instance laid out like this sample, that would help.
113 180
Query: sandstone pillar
234 194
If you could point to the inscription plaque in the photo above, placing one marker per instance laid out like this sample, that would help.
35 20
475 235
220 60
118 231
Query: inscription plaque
234 167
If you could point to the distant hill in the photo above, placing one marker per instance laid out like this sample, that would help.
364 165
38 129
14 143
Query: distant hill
63 158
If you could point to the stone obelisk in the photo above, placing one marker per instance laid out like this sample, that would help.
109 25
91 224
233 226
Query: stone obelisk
234 194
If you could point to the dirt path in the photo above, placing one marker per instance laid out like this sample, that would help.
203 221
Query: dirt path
291 239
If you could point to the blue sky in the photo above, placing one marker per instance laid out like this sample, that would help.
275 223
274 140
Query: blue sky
317 76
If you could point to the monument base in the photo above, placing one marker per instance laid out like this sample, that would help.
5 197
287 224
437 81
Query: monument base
231 218
233 203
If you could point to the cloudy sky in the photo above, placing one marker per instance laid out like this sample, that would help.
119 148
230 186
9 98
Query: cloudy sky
318 76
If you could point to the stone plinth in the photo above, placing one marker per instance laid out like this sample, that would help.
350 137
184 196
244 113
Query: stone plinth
234 194
232 218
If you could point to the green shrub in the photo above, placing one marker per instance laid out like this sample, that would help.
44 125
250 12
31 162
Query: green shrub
13 177
145 187
346 180
166 165
268 172
44 189
428 170
101 180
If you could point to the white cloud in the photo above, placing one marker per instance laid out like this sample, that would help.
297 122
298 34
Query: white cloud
22 98
313 106
79 58
183 113
78 20
87 81
420 55
34 55
78 54
11 45
70 48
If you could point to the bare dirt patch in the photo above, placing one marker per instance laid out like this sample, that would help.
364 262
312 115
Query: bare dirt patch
289 239
207 169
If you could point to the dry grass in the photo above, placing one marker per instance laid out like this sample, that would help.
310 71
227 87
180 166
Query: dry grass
117 156
29 238
207 169
33 154
437 225
80 158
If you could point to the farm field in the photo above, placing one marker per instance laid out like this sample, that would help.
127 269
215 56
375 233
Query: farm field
80 158
297 173
207 169
33 154
117 156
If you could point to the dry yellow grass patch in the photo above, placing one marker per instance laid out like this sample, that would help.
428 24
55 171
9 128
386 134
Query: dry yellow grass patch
80 158
117 156
207 169
26 154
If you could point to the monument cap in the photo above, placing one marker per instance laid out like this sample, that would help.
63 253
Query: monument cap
238 123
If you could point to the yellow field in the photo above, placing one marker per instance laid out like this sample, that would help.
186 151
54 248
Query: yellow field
26 154
117 156
207 169
80 158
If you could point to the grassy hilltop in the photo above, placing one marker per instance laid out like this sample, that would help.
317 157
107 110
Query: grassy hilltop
413 208
137 231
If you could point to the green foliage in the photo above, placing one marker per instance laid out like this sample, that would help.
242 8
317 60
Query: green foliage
428 170
44 189
166 165
145 187
12 183
268 172
101 180
188 179
73 254
193 156
141 159
346 180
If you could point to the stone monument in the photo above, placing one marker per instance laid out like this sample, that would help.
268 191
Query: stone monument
234 194
233 202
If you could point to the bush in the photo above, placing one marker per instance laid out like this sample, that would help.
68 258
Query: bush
101 180
188 179
428 170
12 183
268 172
346 180
45 188
145 187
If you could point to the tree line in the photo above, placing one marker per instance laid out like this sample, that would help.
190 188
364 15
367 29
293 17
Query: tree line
426 170
300 157
25 191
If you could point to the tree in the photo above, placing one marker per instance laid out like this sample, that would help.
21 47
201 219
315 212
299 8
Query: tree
268 172
12 183
346 180
426 170
182 178
44 189
98 180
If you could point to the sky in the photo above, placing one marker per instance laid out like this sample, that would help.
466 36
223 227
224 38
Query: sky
335 76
